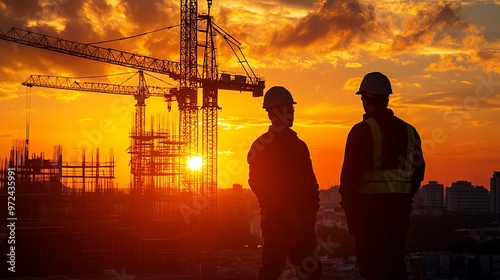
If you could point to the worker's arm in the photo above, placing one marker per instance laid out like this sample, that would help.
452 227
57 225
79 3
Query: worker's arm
418 166
356 158
263 182
312 188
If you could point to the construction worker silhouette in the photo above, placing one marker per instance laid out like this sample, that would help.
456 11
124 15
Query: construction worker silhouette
382 170
282 177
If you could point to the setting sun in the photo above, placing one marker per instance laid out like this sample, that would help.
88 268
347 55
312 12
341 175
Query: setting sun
194 163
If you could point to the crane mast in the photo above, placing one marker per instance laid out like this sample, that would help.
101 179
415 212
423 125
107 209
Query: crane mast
209 110
138 160
188 86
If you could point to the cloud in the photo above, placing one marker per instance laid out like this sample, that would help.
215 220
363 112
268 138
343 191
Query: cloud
300 3
151 13
353 64
338 24
265 5
432 25
488 59
315 123
445 63
8 95
350 33
9 90
4 133
300 34
237 123
431 100
460 102
64 96
481 123
352 84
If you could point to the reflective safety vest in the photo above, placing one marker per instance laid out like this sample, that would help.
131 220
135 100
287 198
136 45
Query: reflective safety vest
387 180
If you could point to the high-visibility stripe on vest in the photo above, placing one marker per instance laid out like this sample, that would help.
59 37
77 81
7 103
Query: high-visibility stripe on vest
387 180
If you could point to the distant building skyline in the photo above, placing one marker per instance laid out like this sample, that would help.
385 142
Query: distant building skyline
330 213
434 197
429 199
462 196
433 194
495 192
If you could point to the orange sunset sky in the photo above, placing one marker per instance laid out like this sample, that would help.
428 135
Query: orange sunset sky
443 59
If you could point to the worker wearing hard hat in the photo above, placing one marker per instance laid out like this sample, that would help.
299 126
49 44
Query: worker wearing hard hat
282 177
382 170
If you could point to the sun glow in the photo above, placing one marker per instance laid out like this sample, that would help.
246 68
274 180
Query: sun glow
194 163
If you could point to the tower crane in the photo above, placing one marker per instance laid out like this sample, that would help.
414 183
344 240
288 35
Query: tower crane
211 85
186 72
140 93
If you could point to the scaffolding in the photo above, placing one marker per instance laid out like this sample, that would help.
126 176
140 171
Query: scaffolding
73 211
157 159
37 175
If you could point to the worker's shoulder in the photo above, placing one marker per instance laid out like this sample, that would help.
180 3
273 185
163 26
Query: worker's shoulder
265 137
262 142
403 122
360 128
301 142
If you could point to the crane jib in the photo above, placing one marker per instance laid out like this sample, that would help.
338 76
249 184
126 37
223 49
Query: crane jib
123 58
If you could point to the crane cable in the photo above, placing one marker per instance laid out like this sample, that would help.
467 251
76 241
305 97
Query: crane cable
129 78
159 79
118 74
101 76
133 36
28 116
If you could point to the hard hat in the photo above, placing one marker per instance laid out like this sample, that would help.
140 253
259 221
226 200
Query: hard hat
375 83
277 96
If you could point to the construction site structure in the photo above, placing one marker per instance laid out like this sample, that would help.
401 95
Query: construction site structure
156 162
37 174
161 155
164 194
72 220
156 154
140 148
